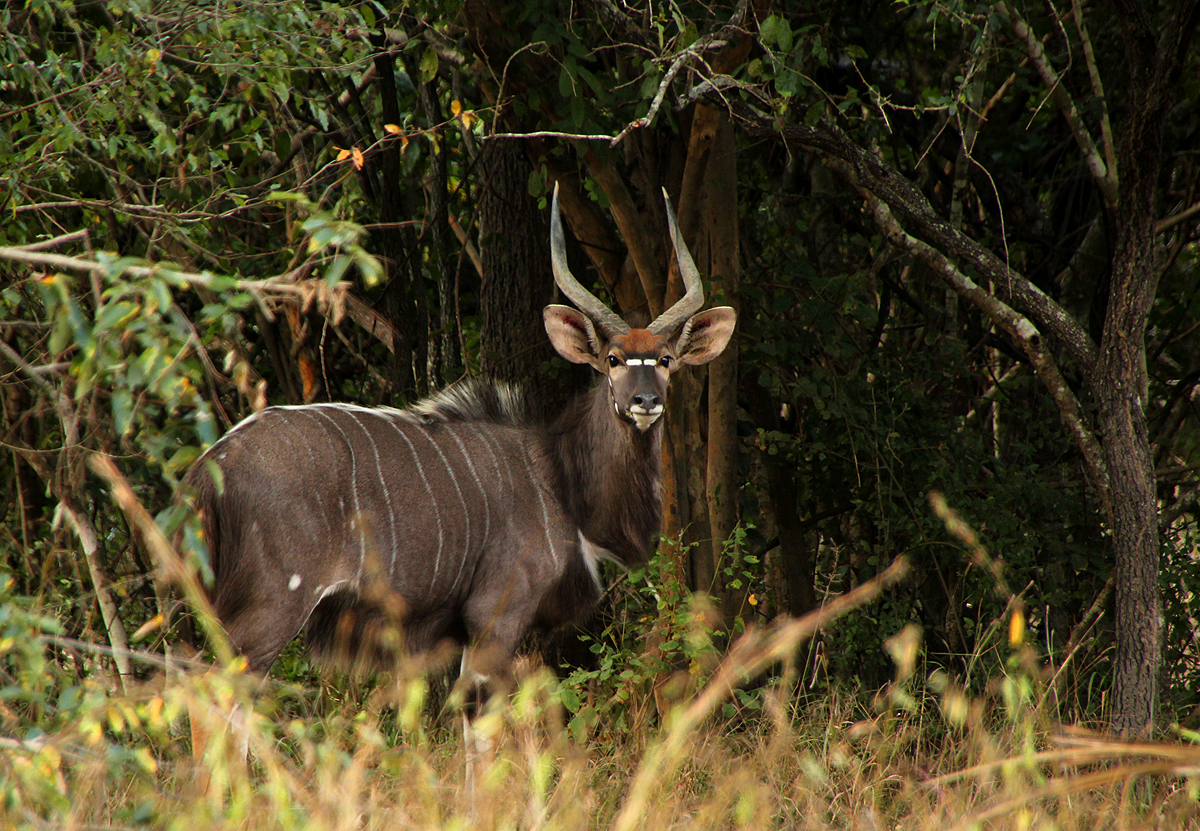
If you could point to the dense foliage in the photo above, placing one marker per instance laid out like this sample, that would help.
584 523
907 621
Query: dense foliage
318 175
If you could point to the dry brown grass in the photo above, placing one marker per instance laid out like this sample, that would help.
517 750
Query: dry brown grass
924 756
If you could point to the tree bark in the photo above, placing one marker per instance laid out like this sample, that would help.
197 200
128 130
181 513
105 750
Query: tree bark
402 302
724 253
1120 379
517 279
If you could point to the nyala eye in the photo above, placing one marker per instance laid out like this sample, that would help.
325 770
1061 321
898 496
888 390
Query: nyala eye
613 360
665 360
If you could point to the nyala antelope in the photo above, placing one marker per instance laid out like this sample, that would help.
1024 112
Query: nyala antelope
484 522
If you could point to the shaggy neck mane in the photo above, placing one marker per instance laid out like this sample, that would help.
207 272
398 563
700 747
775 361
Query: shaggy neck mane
609 475
608 472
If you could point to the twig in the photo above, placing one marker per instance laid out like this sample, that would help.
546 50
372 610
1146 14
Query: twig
1175 219
1089 58
645 121
84 530
550 134
466 243
1185 501
1103 174
60 262
56 241
171 565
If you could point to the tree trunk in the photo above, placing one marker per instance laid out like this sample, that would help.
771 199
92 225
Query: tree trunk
444 365
402 302
702 503
517 279
1120 381
724 252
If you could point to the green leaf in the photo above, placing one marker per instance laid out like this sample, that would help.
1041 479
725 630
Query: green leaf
768 30
216 474
60 335
113 314
183 458
218 282
283 144
122 408
577 727
337 267
566 81
783 36
428 65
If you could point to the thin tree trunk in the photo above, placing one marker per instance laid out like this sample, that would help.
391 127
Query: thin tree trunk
724 253
684 425
402 302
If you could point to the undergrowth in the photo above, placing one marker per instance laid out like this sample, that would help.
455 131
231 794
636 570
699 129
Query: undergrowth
689 739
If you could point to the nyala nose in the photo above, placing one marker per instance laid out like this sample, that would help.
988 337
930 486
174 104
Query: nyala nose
647 400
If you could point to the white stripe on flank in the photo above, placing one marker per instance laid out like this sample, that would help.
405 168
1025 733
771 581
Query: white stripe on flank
387 497
537 488
362 548
487 511
437 560
316 492
454 480
281 432
491 442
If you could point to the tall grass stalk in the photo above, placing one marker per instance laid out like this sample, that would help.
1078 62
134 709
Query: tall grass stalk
76 753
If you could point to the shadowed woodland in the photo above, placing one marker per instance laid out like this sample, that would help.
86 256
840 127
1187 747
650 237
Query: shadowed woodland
961 240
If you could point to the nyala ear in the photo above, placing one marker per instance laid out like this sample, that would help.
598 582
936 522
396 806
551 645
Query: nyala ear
573 335
705 335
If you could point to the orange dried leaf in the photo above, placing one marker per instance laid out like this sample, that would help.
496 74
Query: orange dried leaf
455 106
358 158
394 129
343 154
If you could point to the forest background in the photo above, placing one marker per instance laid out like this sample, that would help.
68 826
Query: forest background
960 237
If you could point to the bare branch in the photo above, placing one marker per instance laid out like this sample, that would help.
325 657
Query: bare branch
645 121
550 134
1182 503
467 245
1018 327
172 567
716 40
63 239
371 322
914 211
632 227
1175 219
1105 175
58 262
1089 56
